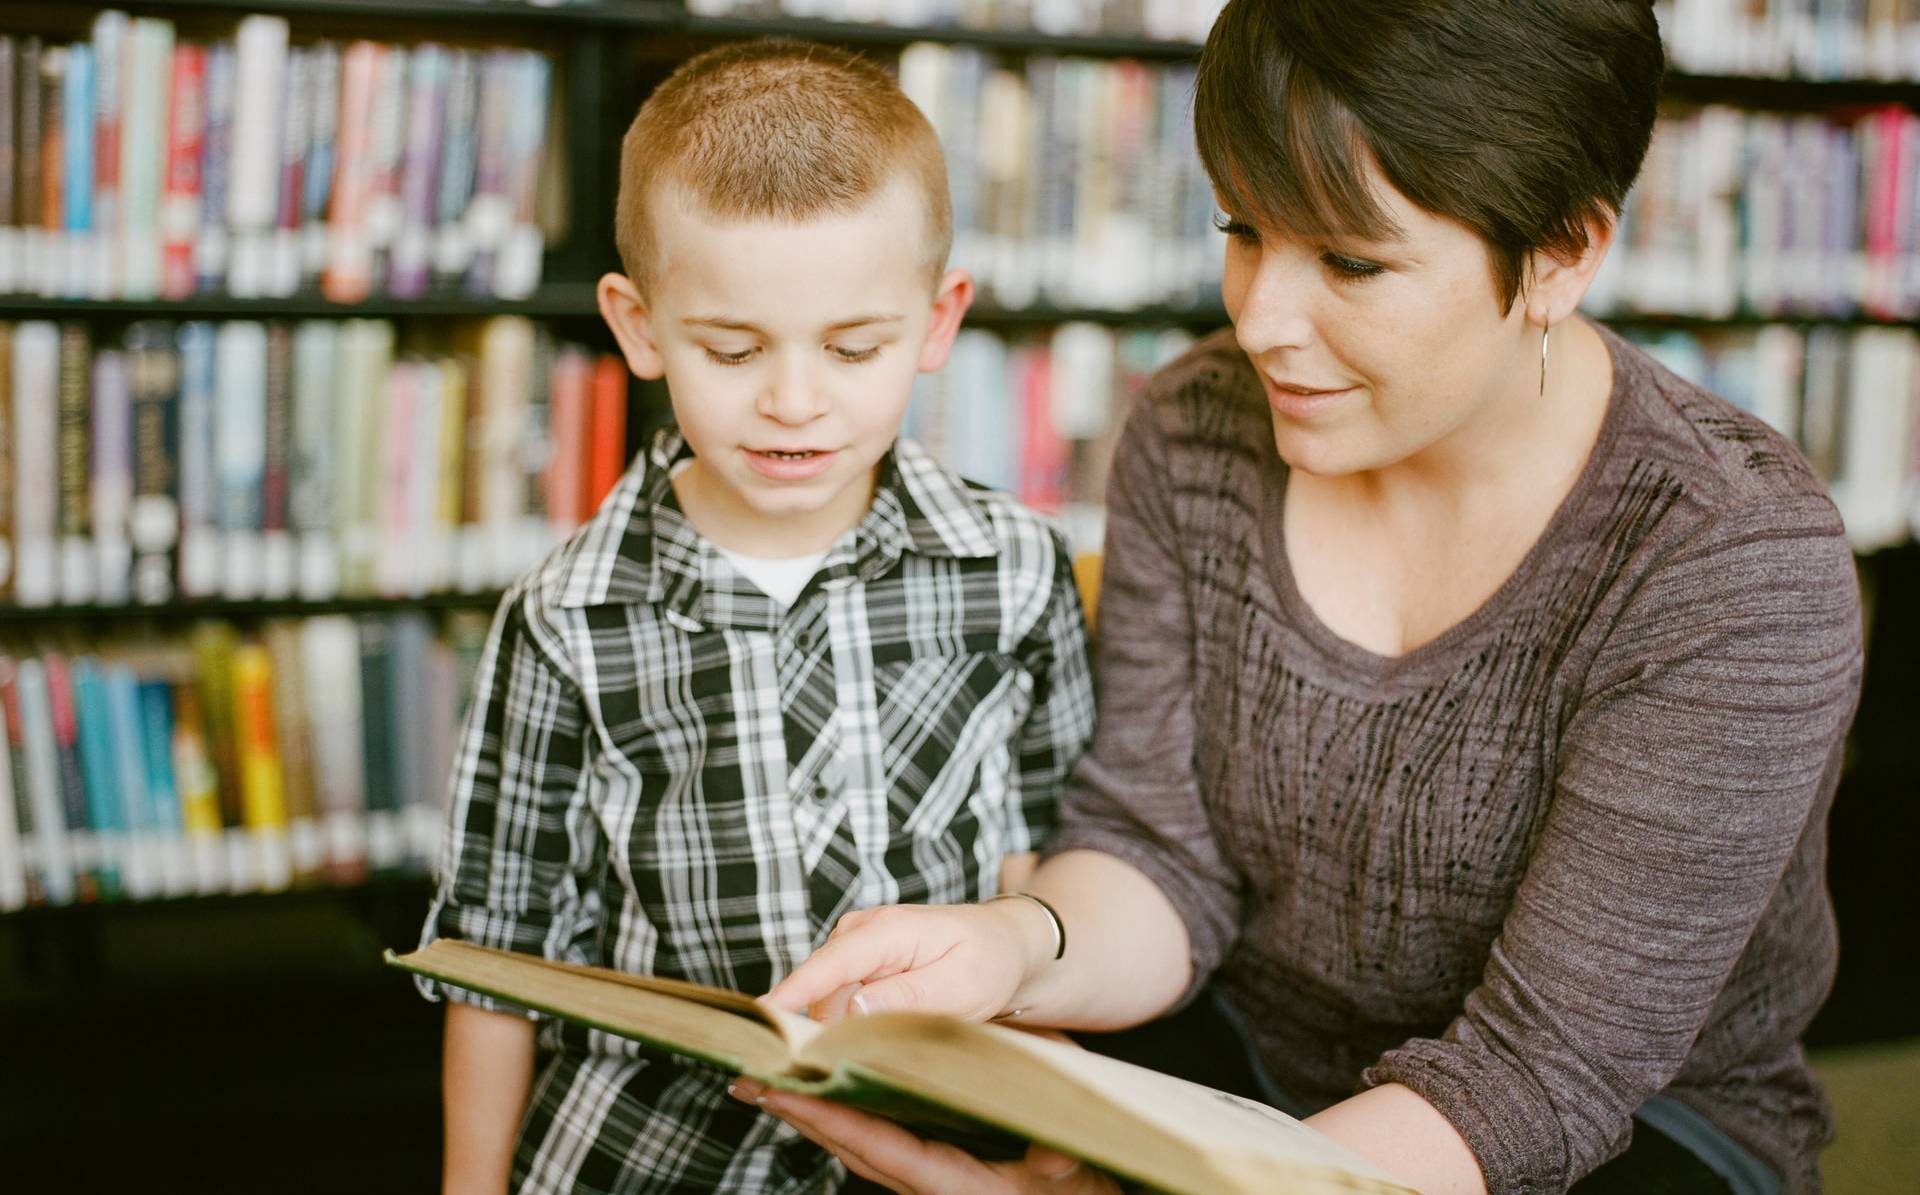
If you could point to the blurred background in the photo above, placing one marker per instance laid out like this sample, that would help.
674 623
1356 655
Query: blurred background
300 366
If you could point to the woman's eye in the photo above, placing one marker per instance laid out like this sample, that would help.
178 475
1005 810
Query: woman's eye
1240 231
739 357
855 356
1351 267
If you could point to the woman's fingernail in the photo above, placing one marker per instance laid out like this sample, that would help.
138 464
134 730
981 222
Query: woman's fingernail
868 1003
747 1091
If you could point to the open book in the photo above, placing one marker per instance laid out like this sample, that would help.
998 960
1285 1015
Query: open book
981 1085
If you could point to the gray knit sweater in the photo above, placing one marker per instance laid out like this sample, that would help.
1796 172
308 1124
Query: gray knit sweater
1565 856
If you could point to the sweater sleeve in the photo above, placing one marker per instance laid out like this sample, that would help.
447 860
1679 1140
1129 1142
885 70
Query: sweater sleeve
1135 795
1710 727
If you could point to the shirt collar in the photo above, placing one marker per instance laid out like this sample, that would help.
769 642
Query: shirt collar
640 546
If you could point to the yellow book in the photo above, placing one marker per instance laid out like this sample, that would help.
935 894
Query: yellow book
986 1086
263 799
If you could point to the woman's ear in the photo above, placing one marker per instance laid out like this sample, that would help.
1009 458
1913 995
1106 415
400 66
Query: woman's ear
626 314
950 302
1556 284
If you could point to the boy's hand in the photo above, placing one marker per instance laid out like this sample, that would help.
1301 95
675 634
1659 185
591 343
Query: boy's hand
965 961
883 1152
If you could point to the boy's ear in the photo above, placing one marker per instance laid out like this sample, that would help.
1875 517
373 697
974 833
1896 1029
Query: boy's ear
626 313
1558 284
950 302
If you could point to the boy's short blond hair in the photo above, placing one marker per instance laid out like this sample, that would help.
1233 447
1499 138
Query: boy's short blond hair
781 130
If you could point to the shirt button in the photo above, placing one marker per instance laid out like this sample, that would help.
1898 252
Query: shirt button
804 640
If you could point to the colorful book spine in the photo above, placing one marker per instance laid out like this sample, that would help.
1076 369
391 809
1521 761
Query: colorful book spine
607 443
349 272
99 775
110 493
153 524
30 725
260 65
142 834
76 548
16 825
240 454
213 249
199 787
427 82
262 784
180 204
35 429
77 108
199 490
143 155
104 251
155 701
277 557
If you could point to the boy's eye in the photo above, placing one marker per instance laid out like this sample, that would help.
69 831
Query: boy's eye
1350 267
1238 230
855 356
739 357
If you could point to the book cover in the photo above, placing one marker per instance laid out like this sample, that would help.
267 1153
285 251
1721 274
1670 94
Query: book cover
155 699
428 68
349 271
454 189
296 132
52 244
386 834
143 870
986 1086
92 729
311 469
105 254
213 645
277 560
76 557
198 782
293 739
330 664
212 249
143 148
316 177
516 270
153 524
607 444
83 845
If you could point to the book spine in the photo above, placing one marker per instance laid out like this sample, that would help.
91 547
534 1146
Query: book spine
277 545
386 148
316 178
91 730
455 385
517 265
262 784
52 263
213 248
103 255
27 182
571 412
386 841
331 663
260 67
186 140
19 783
367 358
296 133
213 645
143 155
154 522
240 453
155 698
411 710
75 551
144 873
14 832
312 474
7 483
199 786
77 108
427 82
294 743
454 189
349 272
489 210
608 441
9 175
394 555
110 490
36 438
59 869
200 542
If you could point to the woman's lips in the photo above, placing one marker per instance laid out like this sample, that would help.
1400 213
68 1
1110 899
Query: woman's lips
1304 402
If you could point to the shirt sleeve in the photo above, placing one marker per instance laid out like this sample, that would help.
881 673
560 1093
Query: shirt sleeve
1060 720
1136 794
521 844
1707 742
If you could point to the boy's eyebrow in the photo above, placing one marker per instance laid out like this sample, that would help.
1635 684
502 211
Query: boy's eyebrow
729 325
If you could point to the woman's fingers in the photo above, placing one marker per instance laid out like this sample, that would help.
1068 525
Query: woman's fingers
850 958
877 1150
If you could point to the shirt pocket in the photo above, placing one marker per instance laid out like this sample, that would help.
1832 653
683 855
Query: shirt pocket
946 729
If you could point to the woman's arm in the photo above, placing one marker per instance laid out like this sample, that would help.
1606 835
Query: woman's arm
486 1072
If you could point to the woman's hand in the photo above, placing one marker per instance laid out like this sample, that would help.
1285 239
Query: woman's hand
965 961
883 1152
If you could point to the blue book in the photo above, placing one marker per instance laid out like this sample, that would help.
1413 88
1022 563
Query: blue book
140 866
156 736
100 776
76 106
197 481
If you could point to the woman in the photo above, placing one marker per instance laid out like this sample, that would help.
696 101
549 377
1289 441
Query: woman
1472 689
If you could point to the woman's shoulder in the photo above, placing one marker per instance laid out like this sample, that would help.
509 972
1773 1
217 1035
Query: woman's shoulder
1727 465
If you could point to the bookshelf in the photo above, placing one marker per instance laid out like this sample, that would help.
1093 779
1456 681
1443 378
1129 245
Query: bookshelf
605 56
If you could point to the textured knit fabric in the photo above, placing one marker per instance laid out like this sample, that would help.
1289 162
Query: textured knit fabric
1565 856
665 771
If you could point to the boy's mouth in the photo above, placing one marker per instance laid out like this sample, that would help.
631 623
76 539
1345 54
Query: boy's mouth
789 464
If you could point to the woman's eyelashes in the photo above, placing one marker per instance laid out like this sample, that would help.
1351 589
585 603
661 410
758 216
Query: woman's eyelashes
1237 230
1344 266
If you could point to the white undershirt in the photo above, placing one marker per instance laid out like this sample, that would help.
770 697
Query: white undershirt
782 579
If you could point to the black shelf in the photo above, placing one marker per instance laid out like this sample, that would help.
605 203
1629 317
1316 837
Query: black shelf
655 13
1745 319
1769 93
407 886
1016 41
560 300
14 616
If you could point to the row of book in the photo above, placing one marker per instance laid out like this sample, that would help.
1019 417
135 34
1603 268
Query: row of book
1162 20
313 750
138 165
1074 181
1038 415
1850 397
1809 39
262 459
1776 215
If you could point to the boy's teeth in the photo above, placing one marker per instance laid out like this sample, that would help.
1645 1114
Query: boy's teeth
790 456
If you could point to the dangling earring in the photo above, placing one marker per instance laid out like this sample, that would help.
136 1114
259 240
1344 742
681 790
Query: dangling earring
1545 334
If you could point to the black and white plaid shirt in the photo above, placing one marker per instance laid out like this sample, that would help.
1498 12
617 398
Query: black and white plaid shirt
664 771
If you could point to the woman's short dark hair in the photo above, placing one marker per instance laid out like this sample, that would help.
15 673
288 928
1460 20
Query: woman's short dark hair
1520 119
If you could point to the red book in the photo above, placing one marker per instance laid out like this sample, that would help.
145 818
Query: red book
607 444
180 199
569 422
1043 452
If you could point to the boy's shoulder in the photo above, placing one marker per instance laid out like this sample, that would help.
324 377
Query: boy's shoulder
608 558
970 520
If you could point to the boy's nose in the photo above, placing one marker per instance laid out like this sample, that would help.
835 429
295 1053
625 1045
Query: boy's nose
792 397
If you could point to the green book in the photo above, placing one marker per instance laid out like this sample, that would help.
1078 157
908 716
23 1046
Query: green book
985 1086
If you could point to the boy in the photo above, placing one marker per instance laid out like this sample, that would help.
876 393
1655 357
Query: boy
791 667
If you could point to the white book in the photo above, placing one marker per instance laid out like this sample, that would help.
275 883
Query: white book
143 147
311 495
366 354
36 420
43 782
260 64
110 496
330 664
1876 455
104 254
240 453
